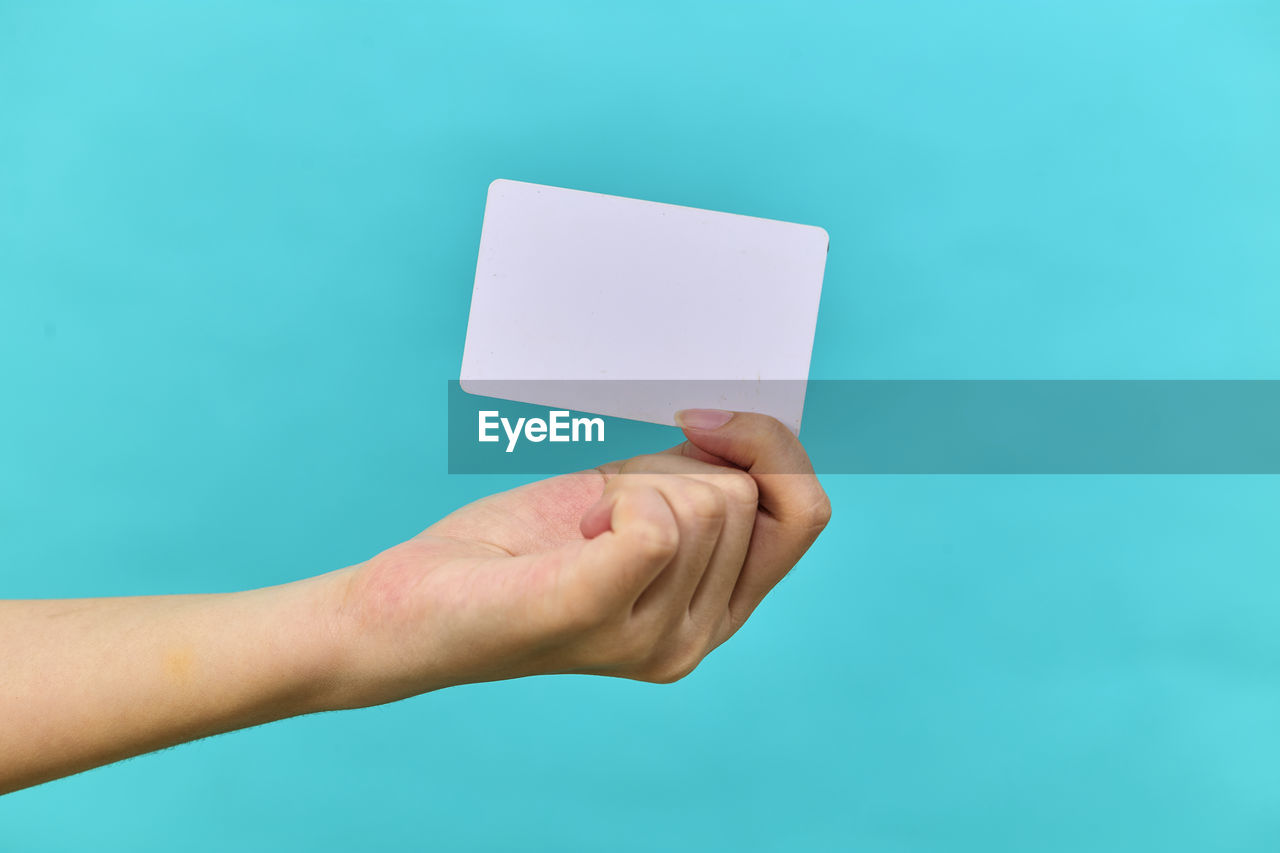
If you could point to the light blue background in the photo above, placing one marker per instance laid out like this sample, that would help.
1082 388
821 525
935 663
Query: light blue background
236 244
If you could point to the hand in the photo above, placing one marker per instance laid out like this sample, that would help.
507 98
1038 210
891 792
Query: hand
637 569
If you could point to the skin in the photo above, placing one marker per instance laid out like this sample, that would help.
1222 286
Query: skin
638 570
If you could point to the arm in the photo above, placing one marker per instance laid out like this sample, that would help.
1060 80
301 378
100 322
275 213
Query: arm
637 570
87 682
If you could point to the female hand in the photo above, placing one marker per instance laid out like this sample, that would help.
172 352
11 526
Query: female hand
637 569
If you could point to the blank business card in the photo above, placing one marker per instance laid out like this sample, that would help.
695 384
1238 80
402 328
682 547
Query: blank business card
636 309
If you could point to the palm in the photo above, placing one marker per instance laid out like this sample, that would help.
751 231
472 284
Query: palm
531 519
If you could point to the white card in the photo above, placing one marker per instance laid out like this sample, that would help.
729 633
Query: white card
674 306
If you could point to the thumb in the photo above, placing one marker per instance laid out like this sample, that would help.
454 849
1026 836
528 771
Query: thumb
764 448
598 518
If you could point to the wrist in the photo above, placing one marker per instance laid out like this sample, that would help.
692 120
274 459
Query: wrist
324 668
361 653
299 631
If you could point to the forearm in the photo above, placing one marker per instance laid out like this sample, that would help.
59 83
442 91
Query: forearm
90 681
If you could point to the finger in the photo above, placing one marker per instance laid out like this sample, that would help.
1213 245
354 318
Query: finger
794 508
641 540
598 518
700 511
762 446
710 601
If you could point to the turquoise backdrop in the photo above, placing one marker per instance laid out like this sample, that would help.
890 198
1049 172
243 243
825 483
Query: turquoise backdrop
236 249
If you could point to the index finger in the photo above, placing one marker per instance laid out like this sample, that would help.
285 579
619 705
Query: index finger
794 509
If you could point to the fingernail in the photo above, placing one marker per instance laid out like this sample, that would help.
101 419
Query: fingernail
703 418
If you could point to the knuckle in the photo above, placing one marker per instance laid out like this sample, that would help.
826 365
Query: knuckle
654 535
657 540
814 514
820 513
741 487
773 428
705 502
675 667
